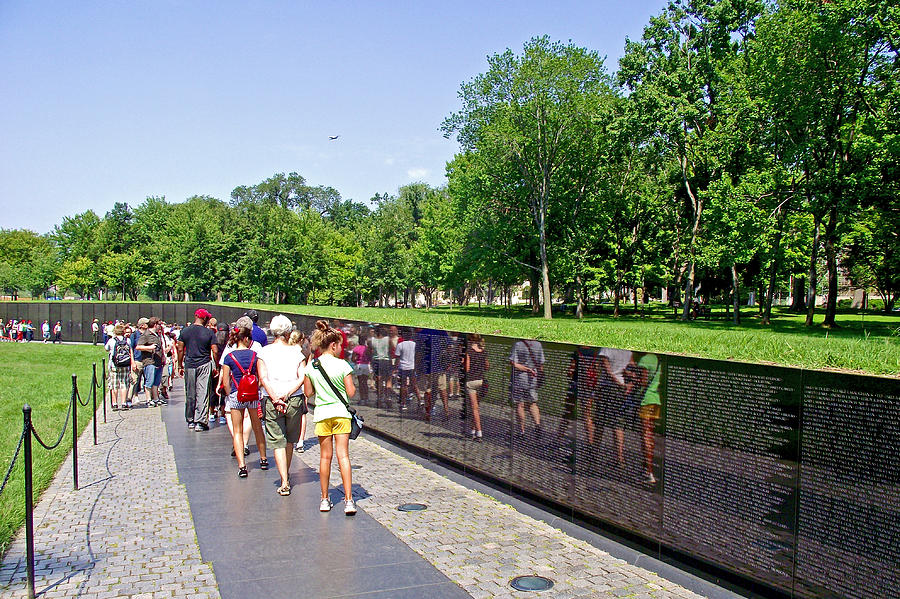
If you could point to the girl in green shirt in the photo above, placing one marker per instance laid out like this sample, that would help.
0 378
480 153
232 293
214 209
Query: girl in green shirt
330 414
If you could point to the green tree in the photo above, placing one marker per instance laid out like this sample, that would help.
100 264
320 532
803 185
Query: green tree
530 111
78 275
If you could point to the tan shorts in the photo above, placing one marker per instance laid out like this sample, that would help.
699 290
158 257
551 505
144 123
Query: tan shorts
435 379
333 426
474 385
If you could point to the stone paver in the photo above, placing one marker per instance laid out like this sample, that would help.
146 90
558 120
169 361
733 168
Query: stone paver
127 532
481 543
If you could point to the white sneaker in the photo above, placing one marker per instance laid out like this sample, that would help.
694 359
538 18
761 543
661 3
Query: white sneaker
349 507
325 505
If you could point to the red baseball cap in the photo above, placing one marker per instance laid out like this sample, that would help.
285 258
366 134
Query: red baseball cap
202 313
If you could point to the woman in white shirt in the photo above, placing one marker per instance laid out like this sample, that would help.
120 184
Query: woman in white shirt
281 374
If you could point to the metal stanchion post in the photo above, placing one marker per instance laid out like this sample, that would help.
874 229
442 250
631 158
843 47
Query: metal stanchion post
94 399
29 506
75 431
103 368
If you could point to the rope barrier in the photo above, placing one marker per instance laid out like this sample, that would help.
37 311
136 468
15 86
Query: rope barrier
61 434
78 397
13 463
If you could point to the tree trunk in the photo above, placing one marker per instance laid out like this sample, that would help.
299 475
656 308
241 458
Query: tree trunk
770 291
579 292
617 291
813 273
831 263
798 291
736 294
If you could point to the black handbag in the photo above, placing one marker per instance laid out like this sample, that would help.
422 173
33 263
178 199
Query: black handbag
356 421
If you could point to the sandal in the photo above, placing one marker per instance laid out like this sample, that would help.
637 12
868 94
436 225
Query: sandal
242 472
284 491
264 464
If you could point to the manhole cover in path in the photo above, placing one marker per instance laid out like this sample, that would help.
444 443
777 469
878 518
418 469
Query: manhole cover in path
531 583
412 507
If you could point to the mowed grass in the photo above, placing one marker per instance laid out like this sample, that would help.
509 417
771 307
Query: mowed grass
865 342
41 376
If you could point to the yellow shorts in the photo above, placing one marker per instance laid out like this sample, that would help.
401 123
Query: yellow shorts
333 426
649 412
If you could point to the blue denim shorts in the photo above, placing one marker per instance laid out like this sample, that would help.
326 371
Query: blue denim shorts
152 375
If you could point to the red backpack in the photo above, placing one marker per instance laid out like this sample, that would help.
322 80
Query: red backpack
248 388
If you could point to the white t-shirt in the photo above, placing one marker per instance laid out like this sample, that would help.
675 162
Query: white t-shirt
282 365
618 360
406 355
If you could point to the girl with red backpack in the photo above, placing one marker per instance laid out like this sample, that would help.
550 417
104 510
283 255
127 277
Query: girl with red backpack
239 374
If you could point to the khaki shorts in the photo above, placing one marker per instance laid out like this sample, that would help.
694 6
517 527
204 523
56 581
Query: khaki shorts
435 379
474 385
333 426
283 429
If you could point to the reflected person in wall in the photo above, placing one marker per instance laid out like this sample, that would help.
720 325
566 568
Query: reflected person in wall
527 361
646 390
611 369
476 365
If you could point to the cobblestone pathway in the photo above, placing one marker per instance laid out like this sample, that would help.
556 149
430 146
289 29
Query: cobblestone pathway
480 543
126 532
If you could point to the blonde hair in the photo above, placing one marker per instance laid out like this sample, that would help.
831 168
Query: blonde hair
296 338
324 336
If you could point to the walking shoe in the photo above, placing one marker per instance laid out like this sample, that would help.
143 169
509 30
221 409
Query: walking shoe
200 427
246 451
264 464
163 401
325 505
127 405
212 419
650 480
242 472
222 420
349 507
299 448
191 425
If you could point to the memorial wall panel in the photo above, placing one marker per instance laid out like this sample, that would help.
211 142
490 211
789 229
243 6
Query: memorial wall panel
181 314
848 535
539 462
491 453
76 323
617 454
730 470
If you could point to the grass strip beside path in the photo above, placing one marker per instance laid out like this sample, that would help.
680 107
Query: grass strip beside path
865 342
41 376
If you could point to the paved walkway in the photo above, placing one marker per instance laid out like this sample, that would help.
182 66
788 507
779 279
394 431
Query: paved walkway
140 527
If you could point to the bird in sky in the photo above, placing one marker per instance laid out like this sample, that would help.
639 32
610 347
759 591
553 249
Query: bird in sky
333 137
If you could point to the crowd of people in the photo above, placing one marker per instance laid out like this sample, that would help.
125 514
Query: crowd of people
23 331
235 376
265 385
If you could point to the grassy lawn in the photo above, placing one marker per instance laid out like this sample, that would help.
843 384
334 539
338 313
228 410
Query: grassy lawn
39 375
863 341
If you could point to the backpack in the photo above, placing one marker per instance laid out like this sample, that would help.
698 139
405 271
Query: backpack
248 388
121 355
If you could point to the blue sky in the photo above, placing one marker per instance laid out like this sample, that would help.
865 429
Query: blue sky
114 101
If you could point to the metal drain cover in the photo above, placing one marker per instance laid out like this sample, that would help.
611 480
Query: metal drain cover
412 507
531 583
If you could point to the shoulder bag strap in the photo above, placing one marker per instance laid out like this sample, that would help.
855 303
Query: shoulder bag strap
318 366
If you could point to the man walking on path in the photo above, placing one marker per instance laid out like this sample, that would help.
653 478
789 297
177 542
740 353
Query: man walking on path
150 346
197 352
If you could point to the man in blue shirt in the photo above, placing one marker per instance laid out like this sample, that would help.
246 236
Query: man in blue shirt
256 333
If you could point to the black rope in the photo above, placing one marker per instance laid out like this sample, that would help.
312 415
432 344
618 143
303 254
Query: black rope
13 463
78 396
61 433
